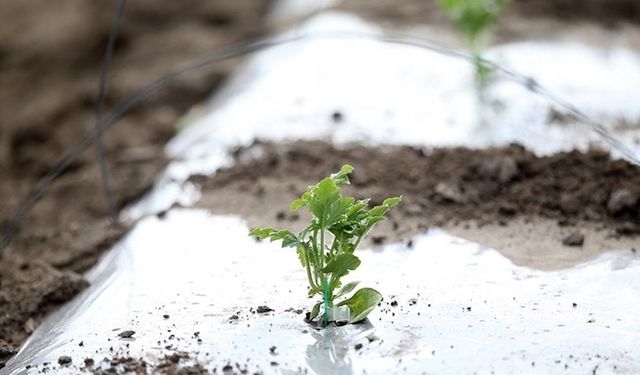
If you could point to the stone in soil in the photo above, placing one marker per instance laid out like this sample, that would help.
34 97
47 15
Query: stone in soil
64 360
263 309
622 200
126 334
574 239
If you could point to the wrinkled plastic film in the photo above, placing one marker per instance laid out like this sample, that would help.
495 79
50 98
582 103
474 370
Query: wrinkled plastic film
444 298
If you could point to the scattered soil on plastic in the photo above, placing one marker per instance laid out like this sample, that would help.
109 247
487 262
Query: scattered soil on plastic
177 363
50 56
525 201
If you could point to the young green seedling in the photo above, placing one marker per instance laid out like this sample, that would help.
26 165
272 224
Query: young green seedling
474 19
326 246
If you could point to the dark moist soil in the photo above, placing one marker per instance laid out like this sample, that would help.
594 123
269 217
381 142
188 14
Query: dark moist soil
50 54
450 187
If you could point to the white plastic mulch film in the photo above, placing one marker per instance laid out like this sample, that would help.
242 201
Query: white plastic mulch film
192 281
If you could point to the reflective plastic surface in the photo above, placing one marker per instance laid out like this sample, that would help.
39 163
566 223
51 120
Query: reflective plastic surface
194 282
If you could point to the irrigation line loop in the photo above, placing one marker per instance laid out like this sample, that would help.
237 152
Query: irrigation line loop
102 88
270 42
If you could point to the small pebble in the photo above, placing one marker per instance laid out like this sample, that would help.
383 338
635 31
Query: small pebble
574 239
64 360
126 334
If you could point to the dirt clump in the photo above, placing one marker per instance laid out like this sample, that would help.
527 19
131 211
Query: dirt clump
28 291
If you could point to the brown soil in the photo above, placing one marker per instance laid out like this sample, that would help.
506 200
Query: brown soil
50 55
506 198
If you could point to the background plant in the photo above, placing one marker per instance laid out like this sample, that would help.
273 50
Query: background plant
326 246
474 20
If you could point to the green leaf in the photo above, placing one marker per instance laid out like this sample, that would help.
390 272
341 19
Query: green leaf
385 206
342 176
342 264
303 200
347 288
297 204
314 291
362 303
346 169
261 233
337 211
288 238
392 201
315 311
326 194
301 250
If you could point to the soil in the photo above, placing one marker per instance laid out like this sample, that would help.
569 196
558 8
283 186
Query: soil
506 198
50 55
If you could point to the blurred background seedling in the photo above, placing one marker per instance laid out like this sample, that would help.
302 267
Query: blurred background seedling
474 20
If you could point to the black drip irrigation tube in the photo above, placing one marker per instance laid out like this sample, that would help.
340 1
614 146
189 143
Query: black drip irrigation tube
250 47
102 89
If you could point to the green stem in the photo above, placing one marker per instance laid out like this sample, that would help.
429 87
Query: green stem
322 247
334 246
315 249
309 277
325 284
355 246
326 296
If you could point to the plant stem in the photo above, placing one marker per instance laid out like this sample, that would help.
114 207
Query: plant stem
322 247
326 296
313 284
334 246
355 246
314 243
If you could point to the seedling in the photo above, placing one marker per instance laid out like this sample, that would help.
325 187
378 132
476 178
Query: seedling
326 246
474 19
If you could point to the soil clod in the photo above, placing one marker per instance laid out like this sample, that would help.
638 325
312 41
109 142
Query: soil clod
378 240
574 239
622 200
64 360
126 334
263 309
337 117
